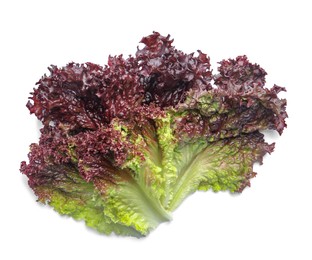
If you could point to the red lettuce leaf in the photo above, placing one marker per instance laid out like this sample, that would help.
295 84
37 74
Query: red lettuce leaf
123 144
239 104
169 73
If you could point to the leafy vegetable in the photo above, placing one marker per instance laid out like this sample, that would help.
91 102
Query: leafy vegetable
123 145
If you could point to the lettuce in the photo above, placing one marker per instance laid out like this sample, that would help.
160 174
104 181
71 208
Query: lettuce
123 145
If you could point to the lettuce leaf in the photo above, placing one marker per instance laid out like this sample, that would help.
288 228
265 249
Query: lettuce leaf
122 145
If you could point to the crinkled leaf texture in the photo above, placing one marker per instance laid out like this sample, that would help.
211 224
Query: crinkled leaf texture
124 144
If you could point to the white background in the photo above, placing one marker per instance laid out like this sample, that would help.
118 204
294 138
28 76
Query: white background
270 220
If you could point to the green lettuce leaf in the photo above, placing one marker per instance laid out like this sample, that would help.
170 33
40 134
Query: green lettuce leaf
222 165
71 195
